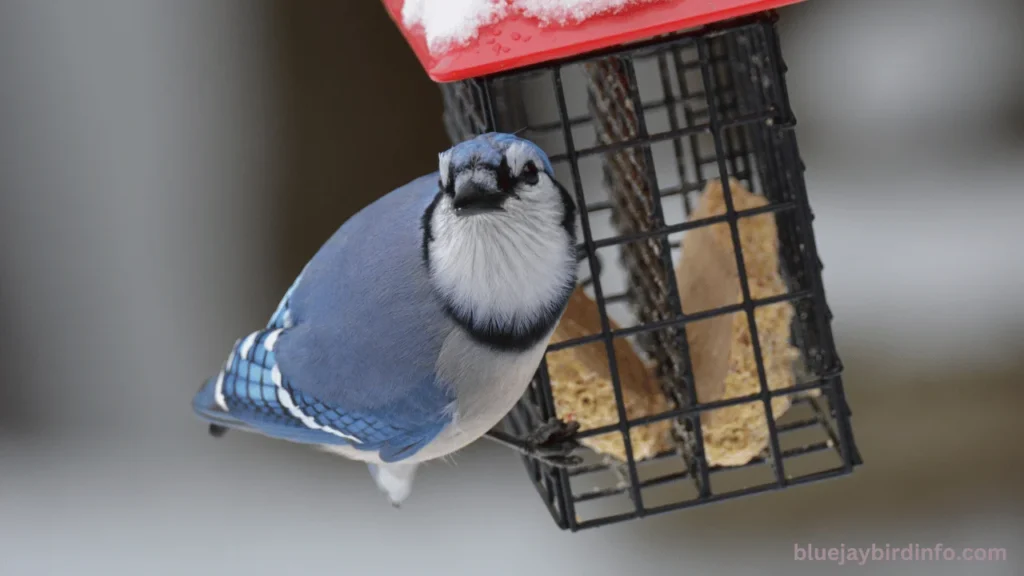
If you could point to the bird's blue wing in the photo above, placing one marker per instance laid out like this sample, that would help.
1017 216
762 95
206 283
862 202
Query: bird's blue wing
250 393
349 355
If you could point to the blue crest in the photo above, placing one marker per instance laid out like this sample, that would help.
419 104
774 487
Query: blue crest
489 149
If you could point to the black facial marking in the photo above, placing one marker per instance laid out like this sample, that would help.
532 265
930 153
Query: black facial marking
504 176
450 188
529 174
428 234
568 211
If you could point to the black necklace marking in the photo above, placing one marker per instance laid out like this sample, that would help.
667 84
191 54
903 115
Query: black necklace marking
508 339
428 233
568 211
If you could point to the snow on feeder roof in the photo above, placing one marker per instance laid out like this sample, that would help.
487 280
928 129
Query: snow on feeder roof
459 39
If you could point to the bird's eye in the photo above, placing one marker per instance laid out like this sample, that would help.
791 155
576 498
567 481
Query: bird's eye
529 173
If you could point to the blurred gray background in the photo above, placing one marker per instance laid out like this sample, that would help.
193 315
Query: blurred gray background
166 167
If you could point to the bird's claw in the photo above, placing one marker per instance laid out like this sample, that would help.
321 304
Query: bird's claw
554 442
553 432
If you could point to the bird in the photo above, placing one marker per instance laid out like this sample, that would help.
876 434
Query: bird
418 325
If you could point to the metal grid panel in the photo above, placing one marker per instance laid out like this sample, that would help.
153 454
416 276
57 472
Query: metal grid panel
712 103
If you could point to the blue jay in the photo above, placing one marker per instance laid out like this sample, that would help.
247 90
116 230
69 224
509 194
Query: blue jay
419 324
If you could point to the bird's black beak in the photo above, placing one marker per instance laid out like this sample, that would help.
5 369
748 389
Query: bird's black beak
475 198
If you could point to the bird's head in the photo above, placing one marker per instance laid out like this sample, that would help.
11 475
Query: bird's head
496 173
499 239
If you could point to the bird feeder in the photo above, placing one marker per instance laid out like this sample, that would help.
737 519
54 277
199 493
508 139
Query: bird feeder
695 362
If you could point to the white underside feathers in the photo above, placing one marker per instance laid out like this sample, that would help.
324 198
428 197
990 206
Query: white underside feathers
395 479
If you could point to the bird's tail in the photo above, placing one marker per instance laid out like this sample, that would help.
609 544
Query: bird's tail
394 479
205 406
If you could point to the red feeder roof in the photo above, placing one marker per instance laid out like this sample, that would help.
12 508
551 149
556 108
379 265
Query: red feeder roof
516 41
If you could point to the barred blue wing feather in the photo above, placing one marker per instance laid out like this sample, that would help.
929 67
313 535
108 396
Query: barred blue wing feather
250 393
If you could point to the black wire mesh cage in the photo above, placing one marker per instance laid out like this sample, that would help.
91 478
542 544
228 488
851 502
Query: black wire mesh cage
716 373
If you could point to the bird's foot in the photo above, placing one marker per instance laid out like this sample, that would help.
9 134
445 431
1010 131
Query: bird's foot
554 435
554 442
217 431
